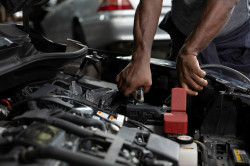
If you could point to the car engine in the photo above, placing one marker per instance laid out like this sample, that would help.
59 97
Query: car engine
60 106
86 121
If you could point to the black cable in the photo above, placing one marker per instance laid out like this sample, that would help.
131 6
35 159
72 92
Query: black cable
204 152
168 100
77 101
136 123
82 102
73 158
89 104
60 123
69 127
83 121
74 119
232 71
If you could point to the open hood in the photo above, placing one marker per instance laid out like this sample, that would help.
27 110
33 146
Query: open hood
31 57
27 56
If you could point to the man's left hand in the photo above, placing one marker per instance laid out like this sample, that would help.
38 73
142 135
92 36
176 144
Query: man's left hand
190 76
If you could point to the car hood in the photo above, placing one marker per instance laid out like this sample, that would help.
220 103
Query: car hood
29 56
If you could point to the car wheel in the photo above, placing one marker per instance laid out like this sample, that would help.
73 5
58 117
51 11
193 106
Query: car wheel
78 33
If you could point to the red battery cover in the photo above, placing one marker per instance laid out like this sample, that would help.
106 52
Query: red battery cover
177 120
178 100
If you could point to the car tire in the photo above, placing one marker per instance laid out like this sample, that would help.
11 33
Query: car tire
78 33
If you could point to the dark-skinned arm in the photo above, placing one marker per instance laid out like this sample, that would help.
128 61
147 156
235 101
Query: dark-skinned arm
137 73
213 19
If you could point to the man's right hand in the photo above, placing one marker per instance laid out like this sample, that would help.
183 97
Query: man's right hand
136 74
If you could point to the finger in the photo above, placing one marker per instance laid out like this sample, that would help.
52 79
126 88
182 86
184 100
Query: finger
200 73
188 90
191 83
122 82
122 86
128 91
191 92
200 81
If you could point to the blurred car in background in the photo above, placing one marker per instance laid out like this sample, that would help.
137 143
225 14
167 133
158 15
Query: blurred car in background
97 23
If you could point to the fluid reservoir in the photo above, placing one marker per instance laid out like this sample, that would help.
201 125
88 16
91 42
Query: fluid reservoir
188 151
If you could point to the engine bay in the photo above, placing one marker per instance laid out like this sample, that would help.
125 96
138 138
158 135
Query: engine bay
72 120
60 106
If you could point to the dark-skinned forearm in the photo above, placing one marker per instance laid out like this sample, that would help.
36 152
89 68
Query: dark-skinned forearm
145 25
213 19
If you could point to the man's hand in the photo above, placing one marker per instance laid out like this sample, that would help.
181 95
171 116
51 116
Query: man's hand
133 76
137 73
189 73
214 17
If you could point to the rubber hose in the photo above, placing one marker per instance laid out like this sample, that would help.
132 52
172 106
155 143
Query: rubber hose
69 127
84 121
73 158
204 152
